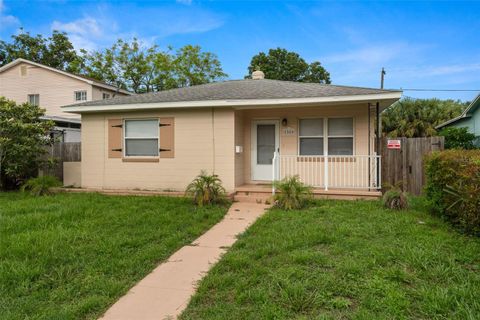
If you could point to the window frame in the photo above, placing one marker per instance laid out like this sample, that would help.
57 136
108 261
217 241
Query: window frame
326 136
80 91
306 137
34 95
125 138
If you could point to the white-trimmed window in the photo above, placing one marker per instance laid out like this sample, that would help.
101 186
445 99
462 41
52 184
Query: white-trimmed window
34 99
105 96
340 136
80 95
311 142
141 138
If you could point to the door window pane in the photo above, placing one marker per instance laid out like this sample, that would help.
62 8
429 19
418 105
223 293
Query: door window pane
311 146
141 128
340 146
340 127
265 143
311 127
141 147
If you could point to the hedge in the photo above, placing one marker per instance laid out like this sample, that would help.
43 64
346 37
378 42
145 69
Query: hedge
453 187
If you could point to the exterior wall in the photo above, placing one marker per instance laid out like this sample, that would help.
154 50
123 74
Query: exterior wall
72 174
239 141
97 93
472 124
204 140
289 143
55 90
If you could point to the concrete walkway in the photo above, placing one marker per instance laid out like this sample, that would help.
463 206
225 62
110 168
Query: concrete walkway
164 293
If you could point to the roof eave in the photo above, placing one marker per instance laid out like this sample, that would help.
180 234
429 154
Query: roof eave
237 103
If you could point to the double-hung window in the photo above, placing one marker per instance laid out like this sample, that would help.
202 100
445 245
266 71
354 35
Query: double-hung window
80 95
141 138
34 99
311 137
340 136
338 139
105 96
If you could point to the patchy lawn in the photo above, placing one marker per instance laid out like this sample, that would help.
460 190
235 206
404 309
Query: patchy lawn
344 260
70 256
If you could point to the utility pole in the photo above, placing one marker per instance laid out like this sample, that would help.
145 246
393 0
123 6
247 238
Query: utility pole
382 77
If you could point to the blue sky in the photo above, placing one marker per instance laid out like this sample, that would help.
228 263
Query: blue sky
420 44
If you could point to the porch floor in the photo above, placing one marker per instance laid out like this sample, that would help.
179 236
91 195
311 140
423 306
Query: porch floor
263 192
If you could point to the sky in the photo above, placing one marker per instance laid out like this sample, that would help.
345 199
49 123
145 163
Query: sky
421 45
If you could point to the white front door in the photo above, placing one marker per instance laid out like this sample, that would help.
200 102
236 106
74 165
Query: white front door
265 141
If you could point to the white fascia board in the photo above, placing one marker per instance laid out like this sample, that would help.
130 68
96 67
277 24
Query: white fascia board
240 103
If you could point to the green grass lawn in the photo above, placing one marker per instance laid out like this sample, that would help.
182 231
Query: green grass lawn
344 260
70 256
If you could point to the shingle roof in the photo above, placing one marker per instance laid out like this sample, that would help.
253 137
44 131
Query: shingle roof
240 90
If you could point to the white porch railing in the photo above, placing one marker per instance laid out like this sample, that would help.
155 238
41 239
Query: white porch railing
345 172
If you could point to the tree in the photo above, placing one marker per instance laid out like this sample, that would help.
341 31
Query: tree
280 64
141 69
458 138
23 136
56 51
418 117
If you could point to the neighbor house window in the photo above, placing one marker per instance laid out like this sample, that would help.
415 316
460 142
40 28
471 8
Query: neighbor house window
311 137
80 95
141 138
34 99
340 136
106 96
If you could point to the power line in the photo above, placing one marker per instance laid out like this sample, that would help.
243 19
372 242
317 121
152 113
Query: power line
410 89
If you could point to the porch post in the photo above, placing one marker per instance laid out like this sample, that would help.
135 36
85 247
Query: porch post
378 142
326 170
274 170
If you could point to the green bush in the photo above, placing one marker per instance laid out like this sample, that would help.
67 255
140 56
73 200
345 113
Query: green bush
291 193
453 187
206 189
395 199
41 186
458 138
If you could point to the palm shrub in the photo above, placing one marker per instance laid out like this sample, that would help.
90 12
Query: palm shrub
206 189
291 193
395 198
41 186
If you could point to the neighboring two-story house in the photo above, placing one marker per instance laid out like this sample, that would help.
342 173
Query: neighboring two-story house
26 81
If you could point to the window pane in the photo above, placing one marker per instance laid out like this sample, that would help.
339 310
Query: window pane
34 99
340 127
340 146
141 147
311 127
265 143
141 128
311 146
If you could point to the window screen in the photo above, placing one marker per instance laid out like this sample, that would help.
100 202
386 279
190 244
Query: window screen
340 136
311 137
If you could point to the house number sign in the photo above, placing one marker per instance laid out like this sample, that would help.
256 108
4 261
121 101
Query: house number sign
288 131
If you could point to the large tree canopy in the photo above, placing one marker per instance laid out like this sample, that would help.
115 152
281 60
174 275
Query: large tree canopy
280 64
56 51
418 117
140 69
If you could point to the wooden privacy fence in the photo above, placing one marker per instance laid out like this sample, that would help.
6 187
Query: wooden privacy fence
405 165
62 152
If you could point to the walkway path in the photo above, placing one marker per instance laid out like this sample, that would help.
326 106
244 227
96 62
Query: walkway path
164 293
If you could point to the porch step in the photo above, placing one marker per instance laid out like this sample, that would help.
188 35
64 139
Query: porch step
263 194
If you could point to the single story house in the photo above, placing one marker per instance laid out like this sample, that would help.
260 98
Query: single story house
249 132
470 119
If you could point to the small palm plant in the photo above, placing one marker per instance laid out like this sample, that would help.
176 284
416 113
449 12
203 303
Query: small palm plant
206 189
291 193
41 186
395 198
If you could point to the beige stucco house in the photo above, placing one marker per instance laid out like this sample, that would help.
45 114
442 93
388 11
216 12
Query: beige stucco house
26 81
249 132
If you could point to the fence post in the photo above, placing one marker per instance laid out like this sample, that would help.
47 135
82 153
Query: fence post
274 170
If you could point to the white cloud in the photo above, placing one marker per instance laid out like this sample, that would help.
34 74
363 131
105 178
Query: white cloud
187 2
7 20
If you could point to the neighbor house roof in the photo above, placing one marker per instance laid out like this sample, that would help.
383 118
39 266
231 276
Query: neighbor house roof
68 74
239 93
467 113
